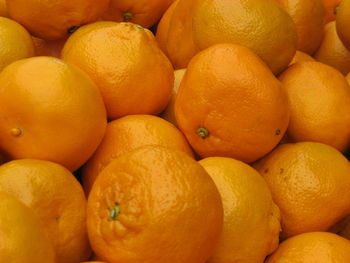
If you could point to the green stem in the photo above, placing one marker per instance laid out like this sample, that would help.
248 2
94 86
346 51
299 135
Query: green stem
114 213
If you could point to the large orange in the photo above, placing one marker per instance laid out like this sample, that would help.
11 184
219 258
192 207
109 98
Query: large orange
314 247
128 133
251 219
142 12
332 50
310 183
343 22
319 99
21 237
262 26
49 48
230 104
55 19
56 198
308 17
125 62
50 110
330 7
16 42
154 204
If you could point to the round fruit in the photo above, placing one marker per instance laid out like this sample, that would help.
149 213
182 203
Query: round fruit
216 106
154 205
251 219
50 110
343 22
310 183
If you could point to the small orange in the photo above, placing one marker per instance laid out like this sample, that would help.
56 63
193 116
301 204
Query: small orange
124 60
16 42
310 183
21 237
251 219
154 204
142 12
216 104
330 7
169 112
343 22
50 110
332 51
55 19
314 247
56 198
48 48
128 133
301 56
319 99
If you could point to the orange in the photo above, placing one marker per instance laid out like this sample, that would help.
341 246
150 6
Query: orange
343 22
301 56
314 247
310 183
3 9
16 42
50 110
145 12
56 198
319 99
21 236
124 60
55 19
169 112
128 133
308 17
48 48
332 51
154 205
251 219
216 106
262 26
330 7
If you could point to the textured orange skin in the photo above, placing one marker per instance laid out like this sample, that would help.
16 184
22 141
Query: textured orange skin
3 9
308 17
55 109
332 51
301 56
221 90
251 219
48 48
314 247
319 99
56 198
133 74
163 195
128 133
51 19
330 7
16 42
310 183
144 12
21 236
343 22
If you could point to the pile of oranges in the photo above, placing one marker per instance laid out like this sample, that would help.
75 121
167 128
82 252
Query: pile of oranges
174 131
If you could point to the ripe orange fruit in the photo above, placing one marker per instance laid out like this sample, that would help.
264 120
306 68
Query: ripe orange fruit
50 110
48 48
56 198
141 80
343 22
145 204
145 12
262 26
319 99
314 247
251 219
3 9
301 56
169 112
330 8
16 42
310 183
224 85
128 133
21 236
308 17
332 51
55 19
